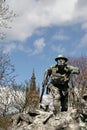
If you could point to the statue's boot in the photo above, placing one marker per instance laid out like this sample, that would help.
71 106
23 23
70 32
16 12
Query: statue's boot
57 107
56 113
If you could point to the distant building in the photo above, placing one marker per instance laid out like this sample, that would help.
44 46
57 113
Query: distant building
32 93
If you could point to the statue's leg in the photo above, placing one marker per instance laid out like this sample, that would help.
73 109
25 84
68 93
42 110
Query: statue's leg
56 99
64 101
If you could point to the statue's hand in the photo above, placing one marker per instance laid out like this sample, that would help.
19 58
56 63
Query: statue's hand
44 82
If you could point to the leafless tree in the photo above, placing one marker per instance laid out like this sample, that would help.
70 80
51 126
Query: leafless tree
5 16
11 100
7 76
19 100
79 81
5 101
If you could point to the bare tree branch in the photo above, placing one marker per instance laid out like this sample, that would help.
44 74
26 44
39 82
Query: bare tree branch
6 16
7 76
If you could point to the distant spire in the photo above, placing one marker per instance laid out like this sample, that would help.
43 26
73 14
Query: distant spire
33 82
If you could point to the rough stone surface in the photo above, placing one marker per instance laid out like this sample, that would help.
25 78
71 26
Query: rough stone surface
41 120
2 129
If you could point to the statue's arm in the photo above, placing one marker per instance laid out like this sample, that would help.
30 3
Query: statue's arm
45 81
47 75
74 70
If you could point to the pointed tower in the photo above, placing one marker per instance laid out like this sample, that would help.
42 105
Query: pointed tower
33 82
32 97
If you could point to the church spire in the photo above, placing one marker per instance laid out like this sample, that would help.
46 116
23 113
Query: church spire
33 82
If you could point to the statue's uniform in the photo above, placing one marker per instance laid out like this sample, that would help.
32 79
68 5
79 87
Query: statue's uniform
57 81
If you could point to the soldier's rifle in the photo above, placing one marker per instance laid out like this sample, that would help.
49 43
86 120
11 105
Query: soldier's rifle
43 89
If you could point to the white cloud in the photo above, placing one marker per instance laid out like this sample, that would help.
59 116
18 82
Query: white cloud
61 36
58 49
80 10
22 48
37 48
84 26
34 14
83 41
9 47
80 14
81 45
39 44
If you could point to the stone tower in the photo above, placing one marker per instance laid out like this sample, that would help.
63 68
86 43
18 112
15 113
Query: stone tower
32 93
33 82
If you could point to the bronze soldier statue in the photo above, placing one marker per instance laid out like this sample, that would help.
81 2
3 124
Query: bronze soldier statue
56 79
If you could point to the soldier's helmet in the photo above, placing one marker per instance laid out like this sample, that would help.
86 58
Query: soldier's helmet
61 57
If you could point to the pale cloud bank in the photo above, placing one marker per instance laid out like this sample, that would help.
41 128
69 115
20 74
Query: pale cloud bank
9 47
35 14
58 49
61 36
83 42
38 46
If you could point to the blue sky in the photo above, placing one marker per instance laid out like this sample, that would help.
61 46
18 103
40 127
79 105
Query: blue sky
41 30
